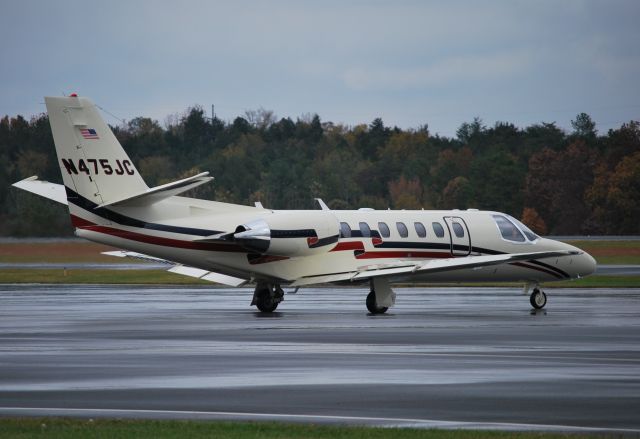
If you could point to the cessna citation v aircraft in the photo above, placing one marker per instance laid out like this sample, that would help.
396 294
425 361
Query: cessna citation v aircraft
232 244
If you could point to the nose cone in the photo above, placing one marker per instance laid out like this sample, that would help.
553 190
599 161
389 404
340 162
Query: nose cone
586 264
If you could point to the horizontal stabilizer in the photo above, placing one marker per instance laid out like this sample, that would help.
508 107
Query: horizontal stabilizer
155 194
135 255
52 191
182 269
208 275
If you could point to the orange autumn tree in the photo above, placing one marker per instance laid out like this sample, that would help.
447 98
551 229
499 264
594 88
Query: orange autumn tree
534 221
406 194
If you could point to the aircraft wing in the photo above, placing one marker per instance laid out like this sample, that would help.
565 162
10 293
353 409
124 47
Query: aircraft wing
184 270
429 266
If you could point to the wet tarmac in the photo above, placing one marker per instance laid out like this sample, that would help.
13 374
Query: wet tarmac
444 357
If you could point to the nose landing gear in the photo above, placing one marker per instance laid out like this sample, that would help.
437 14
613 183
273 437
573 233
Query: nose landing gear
538 298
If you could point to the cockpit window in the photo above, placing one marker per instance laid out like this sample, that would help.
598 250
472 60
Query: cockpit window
508 230
526 230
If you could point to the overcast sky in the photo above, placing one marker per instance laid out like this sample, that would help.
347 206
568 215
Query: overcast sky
411 63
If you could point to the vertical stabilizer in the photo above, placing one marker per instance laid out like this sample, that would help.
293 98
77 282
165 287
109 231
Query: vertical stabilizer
92 161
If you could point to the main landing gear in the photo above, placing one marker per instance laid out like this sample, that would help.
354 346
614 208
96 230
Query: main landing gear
381 297
267 297
372 305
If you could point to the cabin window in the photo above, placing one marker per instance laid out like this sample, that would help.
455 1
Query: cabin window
345 230
365 230
508 230
438 230
458 229
402 230
384 230
420 230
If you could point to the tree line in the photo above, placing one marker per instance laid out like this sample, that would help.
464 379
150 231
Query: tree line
557 182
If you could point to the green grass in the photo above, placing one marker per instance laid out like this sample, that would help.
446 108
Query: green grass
64 428
611 252
81 276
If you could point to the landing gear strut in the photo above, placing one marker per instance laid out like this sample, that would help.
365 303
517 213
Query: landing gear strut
267 297
538 298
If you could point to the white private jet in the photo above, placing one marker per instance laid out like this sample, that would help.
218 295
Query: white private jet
232 244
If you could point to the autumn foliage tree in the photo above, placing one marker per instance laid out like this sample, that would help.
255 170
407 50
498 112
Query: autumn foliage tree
406 194
534 221
558 182
556 186
614 197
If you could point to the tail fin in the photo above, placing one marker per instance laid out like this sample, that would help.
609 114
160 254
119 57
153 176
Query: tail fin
93 163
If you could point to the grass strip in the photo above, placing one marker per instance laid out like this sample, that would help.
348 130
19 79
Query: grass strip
611 252
161 277
65 428
82 276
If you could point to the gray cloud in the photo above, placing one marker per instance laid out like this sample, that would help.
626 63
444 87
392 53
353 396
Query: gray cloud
411 62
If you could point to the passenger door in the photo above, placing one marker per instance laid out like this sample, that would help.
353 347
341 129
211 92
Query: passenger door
459 236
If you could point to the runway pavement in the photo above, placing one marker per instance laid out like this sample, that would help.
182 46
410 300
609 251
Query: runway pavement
449 357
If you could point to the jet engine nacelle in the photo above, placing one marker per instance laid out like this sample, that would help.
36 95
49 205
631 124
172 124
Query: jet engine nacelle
290 233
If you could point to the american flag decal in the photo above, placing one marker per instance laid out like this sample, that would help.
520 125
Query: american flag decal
89 133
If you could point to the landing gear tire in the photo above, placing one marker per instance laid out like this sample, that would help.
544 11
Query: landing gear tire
372 306
538 299
266 297
266 303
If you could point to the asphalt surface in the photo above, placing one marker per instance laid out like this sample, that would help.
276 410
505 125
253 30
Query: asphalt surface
444 357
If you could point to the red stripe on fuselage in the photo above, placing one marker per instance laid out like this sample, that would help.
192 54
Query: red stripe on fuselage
80 223
402 254
155 240
349 245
